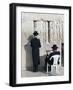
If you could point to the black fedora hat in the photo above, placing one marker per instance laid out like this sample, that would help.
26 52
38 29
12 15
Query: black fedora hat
54 46
35 33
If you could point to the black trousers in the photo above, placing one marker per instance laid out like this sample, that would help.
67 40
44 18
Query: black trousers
35 68
45 66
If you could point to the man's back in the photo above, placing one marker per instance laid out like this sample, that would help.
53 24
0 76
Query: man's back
35 43
54 57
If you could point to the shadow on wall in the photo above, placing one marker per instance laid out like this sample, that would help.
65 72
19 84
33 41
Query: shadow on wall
42 60
28 51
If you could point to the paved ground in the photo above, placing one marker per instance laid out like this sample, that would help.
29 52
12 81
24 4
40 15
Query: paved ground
30 73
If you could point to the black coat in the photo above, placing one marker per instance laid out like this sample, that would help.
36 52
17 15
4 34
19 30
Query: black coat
50 57
35 44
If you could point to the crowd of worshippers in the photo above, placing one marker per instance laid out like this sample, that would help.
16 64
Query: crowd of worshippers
52 59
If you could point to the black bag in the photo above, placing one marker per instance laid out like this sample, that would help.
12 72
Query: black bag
51 61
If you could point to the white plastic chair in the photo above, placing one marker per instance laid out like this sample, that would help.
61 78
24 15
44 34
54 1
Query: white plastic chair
55 62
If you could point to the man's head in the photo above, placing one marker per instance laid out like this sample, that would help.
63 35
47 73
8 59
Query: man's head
54 47
35 33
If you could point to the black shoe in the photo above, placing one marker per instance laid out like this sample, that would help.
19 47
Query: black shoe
35 70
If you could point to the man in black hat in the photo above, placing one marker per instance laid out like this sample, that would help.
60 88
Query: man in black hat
53 58
35 44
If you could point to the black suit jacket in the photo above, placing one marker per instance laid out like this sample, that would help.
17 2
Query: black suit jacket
35 44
